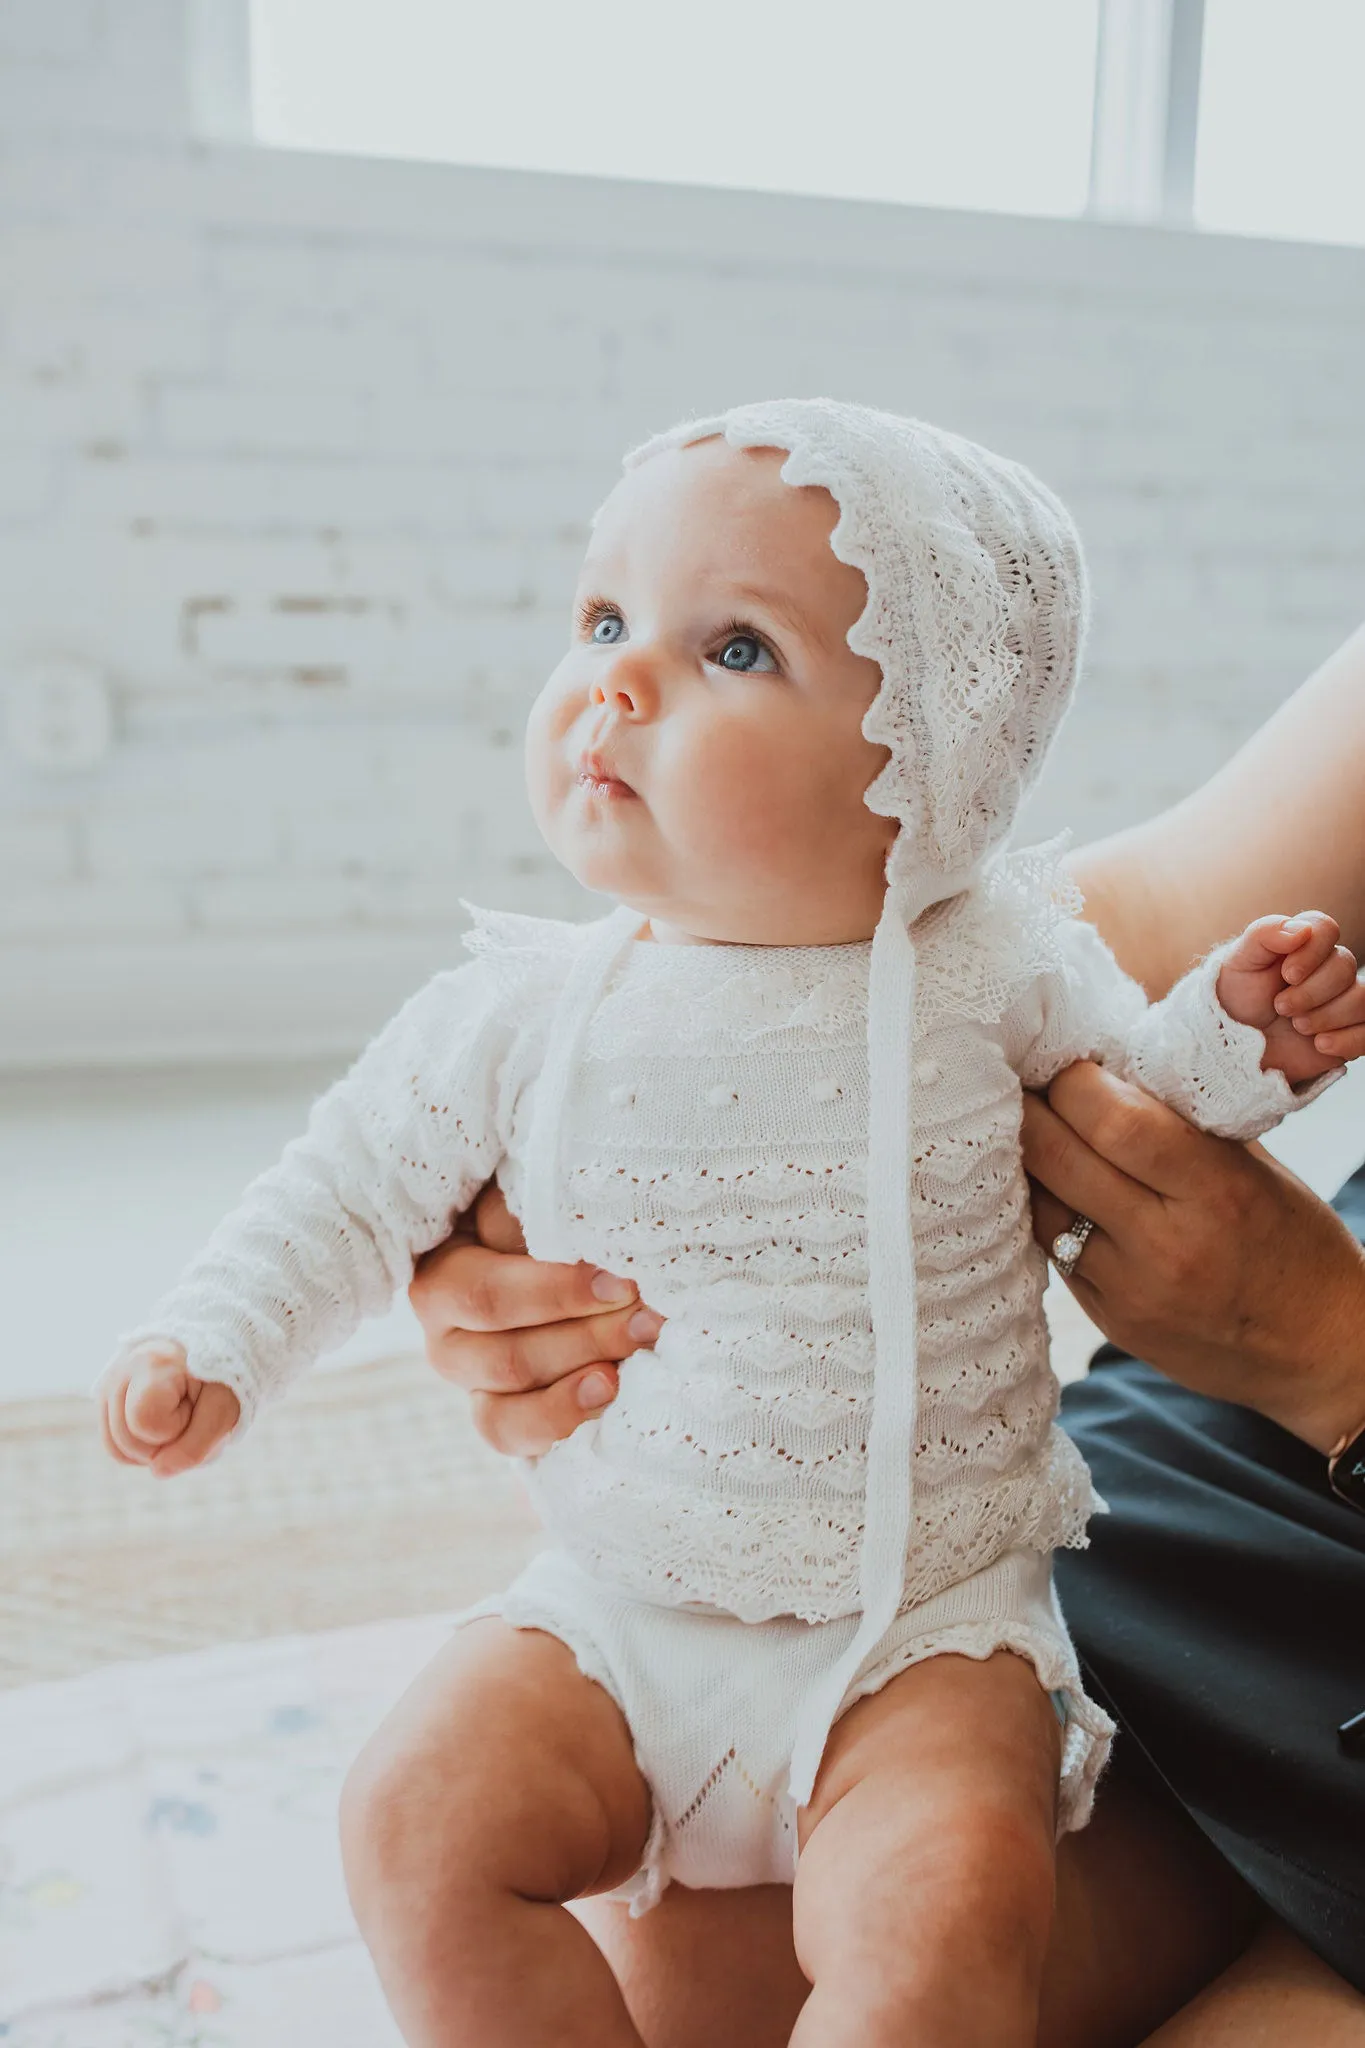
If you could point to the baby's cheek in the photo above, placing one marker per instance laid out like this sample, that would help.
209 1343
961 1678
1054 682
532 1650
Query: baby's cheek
547 769
765 793
743 810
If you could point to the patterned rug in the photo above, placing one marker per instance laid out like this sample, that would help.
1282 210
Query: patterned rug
169 1871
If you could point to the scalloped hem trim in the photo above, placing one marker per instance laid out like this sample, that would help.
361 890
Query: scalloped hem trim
1088 1735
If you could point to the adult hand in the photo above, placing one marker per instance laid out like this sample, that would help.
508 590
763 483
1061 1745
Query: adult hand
1208 1259
535 1346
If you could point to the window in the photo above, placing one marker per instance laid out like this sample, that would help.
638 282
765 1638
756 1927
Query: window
968 103
1237 115
1281 147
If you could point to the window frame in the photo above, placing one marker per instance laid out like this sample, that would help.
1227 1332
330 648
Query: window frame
1144 125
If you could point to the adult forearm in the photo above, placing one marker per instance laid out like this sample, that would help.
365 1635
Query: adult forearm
1280 828
1210 1259
1316 1388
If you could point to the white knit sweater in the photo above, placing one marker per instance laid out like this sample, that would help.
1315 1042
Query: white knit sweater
713 1140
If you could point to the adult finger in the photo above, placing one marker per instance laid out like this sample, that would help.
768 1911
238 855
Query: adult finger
526 1425
1128 1130
515 1361
494 1224
216 1414
1051 1217
468 1287
1075 1173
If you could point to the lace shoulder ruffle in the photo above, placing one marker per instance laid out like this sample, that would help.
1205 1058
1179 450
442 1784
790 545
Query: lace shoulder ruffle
524 956
980 951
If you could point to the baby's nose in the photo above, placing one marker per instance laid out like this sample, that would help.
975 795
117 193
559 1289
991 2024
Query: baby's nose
629 690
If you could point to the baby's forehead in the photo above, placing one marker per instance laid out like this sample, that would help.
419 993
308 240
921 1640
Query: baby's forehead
708 499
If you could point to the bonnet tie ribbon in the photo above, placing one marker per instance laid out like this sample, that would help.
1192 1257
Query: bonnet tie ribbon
891 1285
545 1221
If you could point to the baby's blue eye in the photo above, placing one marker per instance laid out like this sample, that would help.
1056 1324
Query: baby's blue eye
743 653
608 628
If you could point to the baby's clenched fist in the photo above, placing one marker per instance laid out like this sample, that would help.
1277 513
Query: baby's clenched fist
1293 979
154 1412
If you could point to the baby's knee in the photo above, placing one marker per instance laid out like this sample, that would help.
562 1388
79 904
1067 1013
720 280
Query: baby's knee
384 1825
434 1836
410 1839
1000 1862
967 1880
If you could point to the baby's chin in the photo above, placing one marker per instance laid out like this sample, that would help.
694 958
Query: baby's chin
604 855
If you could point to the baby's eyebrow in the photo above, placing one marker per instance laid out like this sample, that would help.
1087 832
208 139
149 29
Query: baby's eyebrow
784 609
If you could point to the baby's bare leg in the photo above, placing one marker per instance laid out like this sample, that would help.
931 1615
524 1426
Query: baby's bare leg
502 1784
924 1889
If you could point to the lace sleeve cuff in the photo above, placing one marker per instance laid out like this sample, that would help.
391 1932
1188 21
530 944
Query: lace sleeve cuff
1208 1066
211 1355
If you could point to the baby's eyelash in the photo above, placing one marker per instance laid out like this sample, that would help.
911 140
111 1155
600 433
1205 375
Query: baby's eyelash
592 609
741 629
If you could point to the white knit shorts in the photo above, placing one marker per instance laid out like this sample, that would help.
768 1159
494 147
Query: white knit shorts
714 1704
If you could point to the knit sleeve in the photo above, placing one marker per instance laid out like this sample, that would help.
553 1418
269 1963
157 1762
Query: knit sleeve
1185 1049
390 1156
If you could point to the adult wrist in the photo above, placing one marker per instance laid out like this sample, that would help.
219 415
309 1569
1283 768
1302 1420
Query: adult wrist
1322 1398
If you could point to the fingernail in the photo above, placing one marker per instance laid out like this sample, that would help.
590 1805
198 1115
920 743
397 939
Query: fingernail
1296 924
608 1287
594 1390
1282 1003
644 1325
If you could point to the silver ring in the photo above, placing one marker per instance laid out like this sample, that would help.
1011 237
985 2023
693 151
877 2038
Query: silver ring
1068 1245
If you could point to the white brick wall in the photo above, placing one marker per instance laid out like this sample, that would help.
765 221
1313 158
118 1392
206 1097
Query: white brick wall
298 452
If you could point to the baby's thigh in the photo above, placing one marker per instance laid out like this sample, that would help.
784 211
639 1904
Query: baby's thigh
937 1795
502 1764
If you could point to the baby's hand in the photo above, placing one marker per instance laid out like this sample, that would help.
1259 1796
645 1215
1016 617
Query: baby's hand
1292 978
154 1413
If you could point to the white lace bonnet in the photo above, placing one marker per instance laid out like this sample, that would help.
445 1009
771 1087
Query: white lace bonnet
976 609
975 614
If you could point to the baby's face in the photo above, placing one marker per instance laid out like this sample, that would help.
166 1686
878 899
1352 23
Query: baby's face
698 753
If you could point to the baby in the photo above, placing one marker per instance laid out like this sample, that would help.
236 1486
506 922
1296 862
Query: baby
795 1623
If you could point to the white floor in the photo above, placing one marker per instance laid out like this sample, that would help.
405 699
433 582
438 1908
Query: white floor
109 1182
